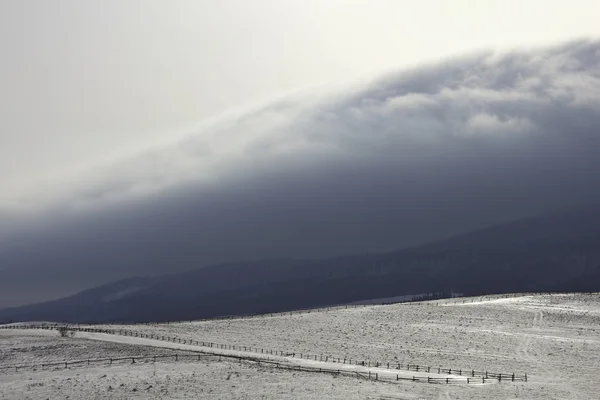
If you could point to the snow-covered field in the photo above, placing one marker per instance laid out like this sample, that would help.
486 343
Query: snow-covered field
555 339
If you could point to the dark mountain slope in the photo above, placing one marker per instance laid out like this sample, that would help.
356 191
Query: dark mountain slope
558 252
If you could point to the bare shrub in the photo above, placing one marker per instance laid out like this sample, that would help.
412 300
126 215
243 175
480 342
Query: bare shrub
64 331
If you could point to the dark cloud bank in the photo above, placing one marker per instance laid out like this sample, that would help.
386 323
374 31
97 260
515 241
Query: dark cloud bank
411 158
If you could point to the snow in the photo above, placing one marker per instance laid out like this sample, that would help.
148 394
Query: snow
384 373
205 380
555 339
23 347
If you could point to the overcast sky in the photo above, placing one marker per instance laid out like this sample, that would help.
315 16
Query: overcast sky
84 82
140 138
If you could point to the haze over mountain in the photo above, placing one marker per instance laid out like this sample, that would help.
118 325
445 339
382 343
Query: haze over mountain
409 158
555 252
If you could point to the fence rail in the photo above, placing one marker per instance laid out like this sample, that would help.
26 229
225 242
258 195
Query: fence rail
471 374
95 361
307 310
444 301
177 357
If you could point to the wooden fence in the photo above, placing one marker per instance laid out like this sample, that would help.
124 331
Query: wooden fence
177 357
471 374
274 314
436 302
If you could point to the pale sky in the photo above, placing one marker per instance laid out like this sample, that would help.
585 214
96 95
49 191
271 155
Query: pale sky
140 137
83 82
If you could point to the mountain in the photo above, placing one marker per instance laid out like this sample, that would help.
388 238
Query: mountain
554 252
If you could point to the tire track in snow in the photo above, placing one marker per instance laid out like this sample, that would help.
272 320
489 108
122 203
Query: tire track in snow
523 348
543 369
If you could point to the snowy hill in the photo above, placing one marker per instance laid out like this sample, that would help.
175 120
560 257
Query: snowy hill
554 339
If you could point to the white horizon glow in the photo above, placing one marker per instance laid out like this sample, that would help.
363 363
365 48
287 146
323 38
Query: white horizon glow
88 83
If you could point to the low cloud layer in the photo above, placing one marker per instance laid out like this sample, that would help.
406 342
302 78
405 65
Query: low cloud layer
411 157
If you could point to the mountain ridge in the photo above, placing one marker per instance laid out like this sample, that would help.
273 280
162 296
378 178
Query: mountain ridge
552 252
